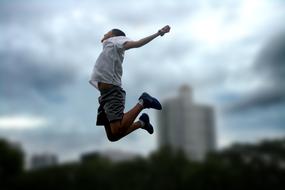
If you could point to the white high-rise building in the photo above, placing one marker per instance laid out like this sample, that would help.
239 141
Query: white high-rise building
187 126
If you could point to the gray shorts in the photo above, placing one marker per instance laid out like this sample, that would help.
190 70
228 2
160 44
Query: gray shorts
112 105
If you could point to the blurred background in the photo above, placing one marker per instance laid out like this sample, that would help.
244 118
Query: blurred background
220 74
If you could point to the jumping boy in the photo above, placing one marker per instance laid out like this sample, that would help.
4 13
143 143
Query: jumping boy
106 77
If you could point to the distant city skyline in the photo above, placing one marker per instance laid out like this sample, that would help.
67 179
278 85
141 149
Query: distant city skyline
44 160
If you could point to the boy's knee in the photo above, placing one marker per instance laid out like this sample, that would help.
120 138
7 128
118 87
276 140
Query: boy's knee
116 131
113 137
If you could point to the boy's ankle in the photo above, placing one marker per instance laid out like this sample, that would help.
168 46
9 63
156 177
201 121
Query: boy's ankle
141 103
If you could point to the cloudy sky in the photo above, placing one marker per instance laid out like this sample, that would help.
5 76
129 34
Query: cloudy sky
232 53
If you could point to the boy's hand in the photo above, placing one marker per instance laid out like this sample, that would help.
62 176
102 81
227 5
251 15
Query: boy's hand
164 30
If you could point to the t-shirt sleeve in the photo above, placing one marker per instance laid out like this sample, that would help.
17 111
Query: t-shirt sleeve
120 41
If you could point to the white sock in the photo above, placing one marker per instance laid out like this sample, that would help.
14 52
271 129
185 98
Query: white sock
142 123
141 102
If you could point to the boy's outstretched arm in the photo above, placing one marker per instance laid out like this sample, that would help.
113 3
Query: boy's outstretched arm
143 41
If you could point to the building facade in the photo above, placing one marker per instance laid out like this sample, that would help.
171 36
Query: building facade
43 160
187 126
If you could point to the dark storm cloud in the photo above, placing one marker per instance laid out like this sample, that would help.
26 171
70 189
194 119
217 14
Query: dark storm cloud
270 68
259 100
38 58
22 73
271 61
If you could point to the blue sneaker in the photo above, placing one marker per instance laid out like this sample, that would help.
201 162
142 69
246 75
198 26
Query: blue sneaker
150 102
147 126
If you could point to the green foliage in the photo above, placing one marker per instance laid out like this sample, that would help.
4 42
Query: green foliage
238 167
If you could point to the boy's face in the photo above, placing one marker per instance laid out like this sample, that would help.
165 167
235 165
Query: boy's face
107 35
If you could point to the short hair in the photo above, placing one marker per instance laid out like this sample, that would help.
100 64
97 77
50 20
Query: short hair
117 32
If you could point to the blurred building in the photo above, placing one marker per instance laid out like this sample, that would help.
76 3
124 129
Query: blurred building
43 160
113 155
187 126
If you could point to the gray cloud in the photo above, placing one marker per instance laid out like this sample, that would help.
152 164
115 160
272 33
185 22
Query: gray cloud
270 68
271 61
259 100
22 74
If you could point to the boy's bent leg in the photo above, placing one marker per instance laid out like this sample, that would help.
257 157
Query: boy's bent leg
123 124
115 136
121 128
143 123
131 115
118 135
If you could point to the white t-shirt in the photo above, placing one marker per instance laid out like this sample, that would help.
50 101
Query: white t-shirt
108 67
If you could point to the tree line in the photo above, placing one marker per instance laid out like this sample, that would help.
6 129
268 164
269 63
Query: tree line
241 166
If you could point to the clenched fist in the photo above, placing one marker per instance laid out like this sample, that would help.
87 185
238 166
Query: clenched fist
164 30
